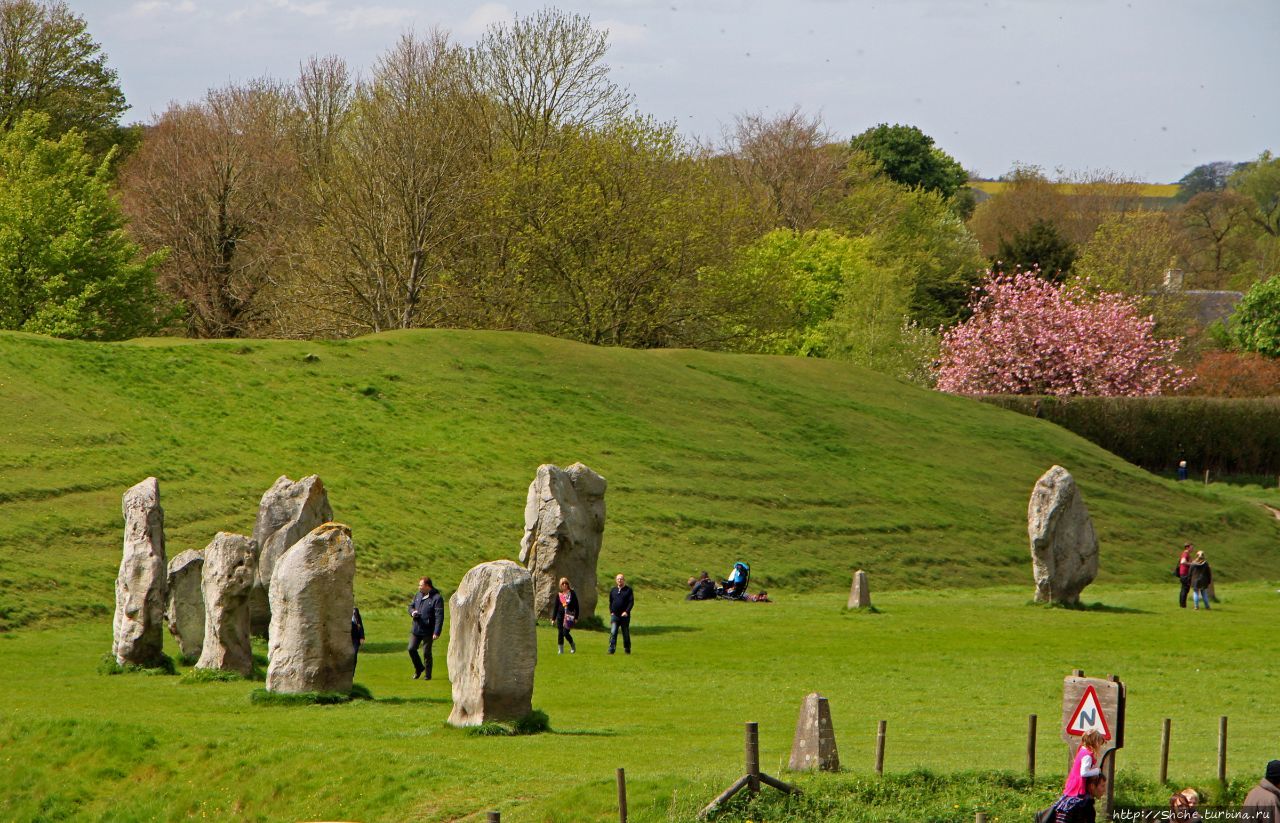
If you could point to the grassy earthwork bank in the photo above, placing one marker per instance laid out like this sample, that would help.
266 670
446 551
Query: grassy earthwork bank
427 441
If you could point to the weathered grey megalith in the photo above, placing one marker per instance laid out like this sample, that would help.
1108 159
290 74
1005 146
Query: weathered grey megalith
814 746
184 608
312 596
563 530
493 646
1064 547
860 592
287 513
229 564
140 584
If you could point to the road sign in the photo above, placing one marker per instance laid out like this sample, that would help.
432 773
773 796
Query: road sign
1093 704
1089 716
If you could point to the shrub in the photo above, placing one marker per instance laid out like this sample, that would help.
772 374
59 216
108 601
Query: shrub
1228 374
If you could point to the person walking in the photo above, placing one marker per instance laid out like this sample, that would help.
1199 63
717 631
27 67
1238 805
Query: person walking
565 614
621 601
1263 800
427 611
1201 577
357 635
1184 575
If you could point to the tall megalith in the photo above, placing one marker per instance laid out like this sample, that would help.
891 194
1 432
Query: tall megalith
1064 546
229 565
312 597
493 644
184 607
563 531
140 584
288 511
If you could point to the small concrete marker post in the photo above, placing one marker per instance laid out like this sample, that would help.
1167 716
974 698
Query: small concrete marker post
1094 704
814 746
860 592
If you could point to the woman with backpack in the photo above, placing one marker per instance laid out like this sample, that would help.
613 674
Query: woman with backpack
565 613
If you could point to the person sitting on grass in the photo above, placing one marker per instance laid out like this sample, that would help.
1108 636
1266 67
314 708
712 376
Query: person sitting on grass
701 588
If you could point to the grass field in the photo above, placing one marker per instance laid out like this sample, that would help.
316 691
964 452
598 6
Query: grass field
955 674
427 442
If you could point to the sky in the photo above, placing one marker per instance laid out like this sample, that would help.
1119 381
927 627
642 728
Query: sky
1147 89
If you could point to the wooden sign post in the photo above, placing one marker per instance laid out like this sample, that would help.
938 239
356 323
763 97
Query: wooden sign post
1095 704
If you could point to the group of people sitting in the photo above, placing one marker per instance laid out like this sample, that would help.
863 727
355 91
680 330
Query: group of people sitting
734 587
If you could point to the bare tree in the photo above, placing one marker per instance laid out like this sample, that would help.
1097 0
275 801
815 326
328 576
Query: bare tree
218 183
1216 237
793 159
403 179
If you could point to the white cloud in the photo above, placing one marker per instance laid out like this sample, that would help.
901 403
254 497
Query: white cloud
318 8
374 17
152 8
623 33
482 17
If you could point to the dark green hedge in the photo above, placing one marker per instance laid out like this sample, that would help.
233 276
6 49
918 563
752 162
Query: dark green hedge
1225 436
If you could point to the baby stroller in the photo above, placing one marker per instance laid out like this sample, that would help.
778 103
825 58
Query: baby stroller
735 588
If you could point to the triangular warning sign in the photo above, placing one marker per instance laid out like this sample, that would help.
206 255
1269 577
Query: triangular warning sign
1088 716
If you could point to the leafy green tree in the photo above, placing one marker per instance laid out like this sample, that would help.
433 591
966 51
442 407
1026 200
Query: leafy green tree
1260 182
50 64
1042 246
67 268
1256 322
909 157
1205 177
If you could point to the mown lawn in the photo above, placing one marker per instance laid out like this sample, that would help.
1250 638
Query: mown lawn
955 672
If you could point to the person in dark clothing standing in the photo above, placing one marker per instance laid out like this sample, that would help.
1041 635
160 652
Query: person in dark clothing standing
1184 575
565 613
1201 578
357 635
621 600
427 611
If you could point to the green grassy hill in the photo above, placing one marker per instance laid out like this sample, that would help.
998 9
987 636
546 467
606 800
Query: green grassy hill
427 442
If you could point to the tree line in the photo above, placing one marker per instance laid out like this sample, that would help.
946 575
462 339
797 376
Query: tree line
513 184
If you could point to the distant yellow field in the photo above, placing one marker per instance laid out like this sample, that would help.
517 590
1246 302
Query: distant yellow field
1147 189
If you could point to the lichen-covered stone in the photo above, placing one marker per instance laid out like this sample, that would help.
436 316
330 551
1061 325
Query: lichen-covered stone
493 644
138 627
184 608
563 532
1064 546
287 513
229 566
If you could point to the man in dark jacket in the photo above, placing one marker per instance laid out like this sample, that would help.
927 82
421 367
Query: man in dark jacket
427 611
621 599
1263 802
357 634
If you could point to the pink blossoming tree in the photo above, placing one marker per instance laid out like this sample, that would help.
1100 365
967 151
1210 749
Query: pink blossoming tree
1030 336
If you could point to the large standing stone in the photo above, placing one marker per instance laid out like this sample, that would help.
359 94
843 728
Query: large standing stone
814 746
1064 547
229 566
140 585
860 592
288 512
563 529
492 644
312 596
184 609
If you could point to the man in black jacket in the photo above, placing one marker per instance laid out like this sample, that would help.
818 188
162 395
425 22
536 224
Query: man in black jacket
427 611
621 599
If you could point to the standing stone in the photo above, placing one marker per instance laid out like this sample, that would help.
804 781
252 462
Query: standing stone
563 529
229 566
814 746
140 585
860 592
184 609
288 512
312 597
493 645
1064 547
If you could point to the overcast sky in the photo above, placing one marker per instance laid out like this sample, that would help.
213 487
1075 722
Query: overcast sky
1147 88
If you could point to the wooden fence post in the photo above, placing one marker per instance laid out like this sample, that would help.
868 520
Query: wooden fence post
880 747
1164 751
622 795
495 817
753 758
1031 746
1222 750
980 817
